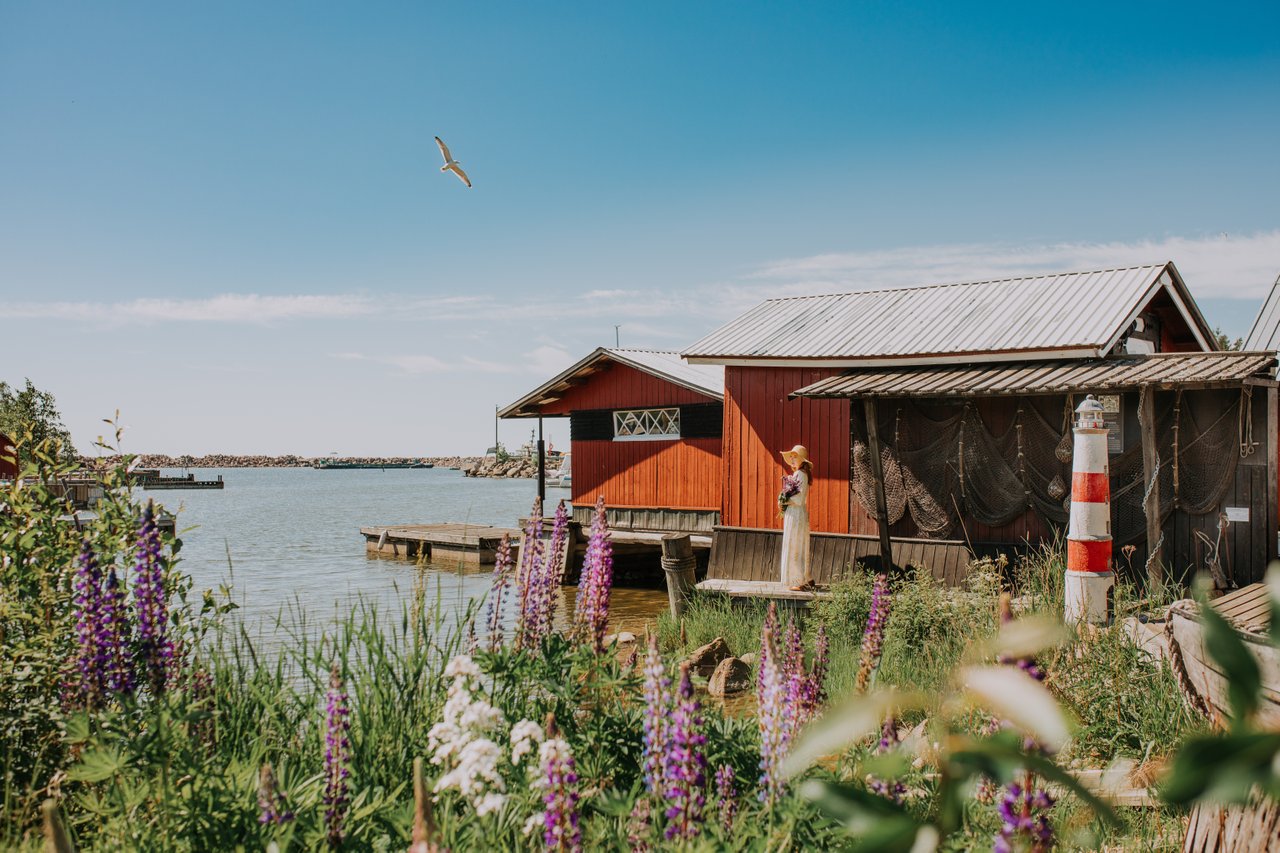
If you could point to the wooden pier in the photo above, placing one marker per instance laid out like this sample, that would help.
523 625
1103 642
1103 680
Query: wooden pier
470 543
738 590
152 481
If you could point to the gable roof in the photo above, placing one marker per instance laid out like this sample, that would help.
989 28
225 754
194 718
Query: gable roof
1070 315
1265 334
701 379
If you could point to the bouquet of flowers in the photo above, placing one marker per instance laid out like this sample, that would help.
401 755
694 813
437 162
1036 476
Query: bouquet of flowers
790 488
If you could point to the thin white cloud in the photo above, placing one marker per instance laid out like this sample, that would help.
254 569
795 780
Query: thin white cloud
547 360
1222 266
250 308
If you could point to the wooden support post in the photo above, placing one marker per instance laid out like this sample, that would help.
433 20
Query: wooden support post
1273 475
680 567
1147 415
542 465
877 473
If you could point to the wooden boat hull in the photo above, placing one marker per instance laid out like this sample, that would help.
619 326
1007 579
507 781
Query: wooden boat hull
1207 677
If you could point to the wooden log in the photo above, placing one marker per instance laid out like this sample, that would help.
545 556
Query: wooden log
1147 417
1214 827
877 474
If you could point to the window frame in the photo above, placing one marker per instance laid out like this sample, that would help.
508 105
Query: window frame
673 418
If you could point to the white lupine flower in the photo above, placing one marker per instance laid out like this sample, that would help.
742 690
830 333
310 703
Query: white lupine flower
462 665
524 735
534 823
490 803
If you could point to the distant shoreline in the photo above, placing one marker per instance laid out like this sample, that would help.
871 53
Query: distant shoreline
228 460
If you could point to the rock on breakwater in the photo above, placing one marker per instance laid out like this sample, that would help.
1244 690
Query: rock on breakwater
228 460
511 467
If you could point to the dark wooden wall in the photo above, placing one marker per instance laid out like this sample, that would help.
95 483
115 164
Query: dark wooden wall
8 462
759 423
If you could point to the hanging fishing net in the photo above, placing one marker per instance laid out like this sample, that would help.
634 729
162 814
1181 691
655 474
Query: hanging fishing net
942 463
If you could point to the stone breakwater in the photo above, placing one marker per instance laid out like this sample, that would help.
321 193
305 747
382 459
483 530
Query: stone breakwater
225 460
513 467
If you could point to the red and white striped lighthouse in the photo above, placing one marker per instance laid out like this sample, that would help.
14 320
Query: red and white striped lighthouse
1089 578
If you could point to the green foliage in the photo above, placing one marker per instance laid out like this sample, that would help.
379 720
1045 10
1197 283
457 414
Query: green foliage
30 418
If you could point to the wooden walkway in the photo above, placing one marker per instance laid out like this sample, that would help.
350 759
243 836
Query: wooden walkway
472 543
755 554
761 589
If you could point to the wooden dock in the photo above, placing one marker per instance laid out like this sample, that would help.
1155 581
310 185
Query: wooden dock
775 590
470 543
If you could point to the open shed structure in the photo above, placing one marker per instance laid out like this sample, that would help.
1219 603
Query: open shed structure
939 421
645 432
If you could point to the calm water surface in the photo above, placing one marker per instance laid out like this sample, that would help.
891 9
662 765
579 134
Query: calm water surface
287 537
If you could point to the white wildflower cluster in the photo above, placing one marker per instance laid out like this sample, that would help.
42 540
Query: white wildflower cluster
465 743
524 735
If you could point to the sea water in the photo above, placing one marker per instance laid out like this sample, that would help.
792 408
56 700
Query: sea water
288 539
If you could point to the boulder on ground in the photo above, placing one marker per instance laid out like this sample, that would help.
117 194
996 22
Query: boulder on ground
705 659
749 658
731 676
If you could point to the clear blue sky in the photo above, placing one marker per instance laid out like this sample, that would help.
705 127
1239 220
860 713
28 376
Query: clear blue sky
227 220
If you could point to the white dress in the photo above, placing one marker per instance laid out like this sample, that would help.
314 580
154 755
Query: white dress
795 537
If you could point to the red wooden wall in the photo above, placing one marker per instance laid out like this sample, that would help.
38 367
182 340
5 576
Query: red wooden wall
617 386
682 474
759 423
678 474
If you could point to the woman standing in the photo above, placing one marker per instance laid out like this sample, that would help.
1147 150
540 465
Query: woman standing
793 504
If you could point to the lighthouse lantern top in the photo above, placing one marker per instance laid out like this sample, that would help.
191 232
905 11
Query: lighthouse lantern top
1089 414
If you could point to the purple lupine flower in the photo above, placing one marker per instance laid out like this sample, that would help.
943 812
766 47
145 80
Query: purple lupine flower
1024 813
561 829
154 648
794 677
90 685
771 715
530 561
815 692
114 635
1026 664
594 589
549 576
685 766
271 802
501 580
892 790
873 636
657 705
726 796
639 825
337 756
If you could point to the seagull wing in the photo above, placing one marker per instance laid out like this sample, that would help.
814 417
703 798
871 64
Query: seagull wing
462 176
444 149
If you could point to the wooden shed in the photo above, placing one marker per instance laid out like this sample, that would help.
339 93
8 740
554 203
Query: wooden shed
8 458
645 432
939 422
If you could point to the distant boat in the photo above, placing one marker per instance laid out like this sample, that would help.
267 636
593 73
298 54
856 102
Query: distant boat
563 478
326 465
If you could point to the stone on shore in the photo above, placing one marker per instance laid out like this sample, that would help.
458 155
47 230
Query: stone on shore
704 660
749 658
731 676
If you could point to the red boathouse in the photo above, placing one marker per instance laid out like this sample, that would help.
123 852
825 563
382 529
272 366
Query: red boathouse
645 432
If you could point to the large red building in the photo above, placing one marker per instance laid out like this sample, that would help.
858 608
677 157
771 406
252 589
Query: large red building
645 432
963 393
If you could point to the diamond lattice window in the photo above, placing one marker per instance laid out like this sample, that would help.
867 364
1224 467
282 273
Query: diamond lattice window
646 424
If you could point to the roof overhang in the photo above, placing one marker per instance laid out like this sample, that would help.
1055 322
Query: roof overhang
530 405
1185 371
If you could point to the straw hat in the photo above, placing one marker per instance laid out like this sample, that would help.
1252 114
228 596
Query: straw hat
796 456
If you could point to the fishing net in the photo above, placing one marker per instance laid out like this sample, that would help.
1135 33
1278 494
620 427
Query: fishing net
942 463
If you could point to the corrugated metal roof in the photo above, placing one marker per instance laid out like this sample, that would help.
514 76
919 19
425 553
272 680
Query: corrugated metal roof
1265 334
1164 370
1067 315
700 378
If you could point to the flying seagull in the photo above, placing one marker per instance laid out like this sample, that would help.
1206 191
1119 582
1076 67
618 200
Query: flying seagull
450 164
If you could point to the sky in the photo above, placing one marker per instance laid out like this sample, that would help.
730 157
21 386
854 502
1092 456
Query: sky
227 220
